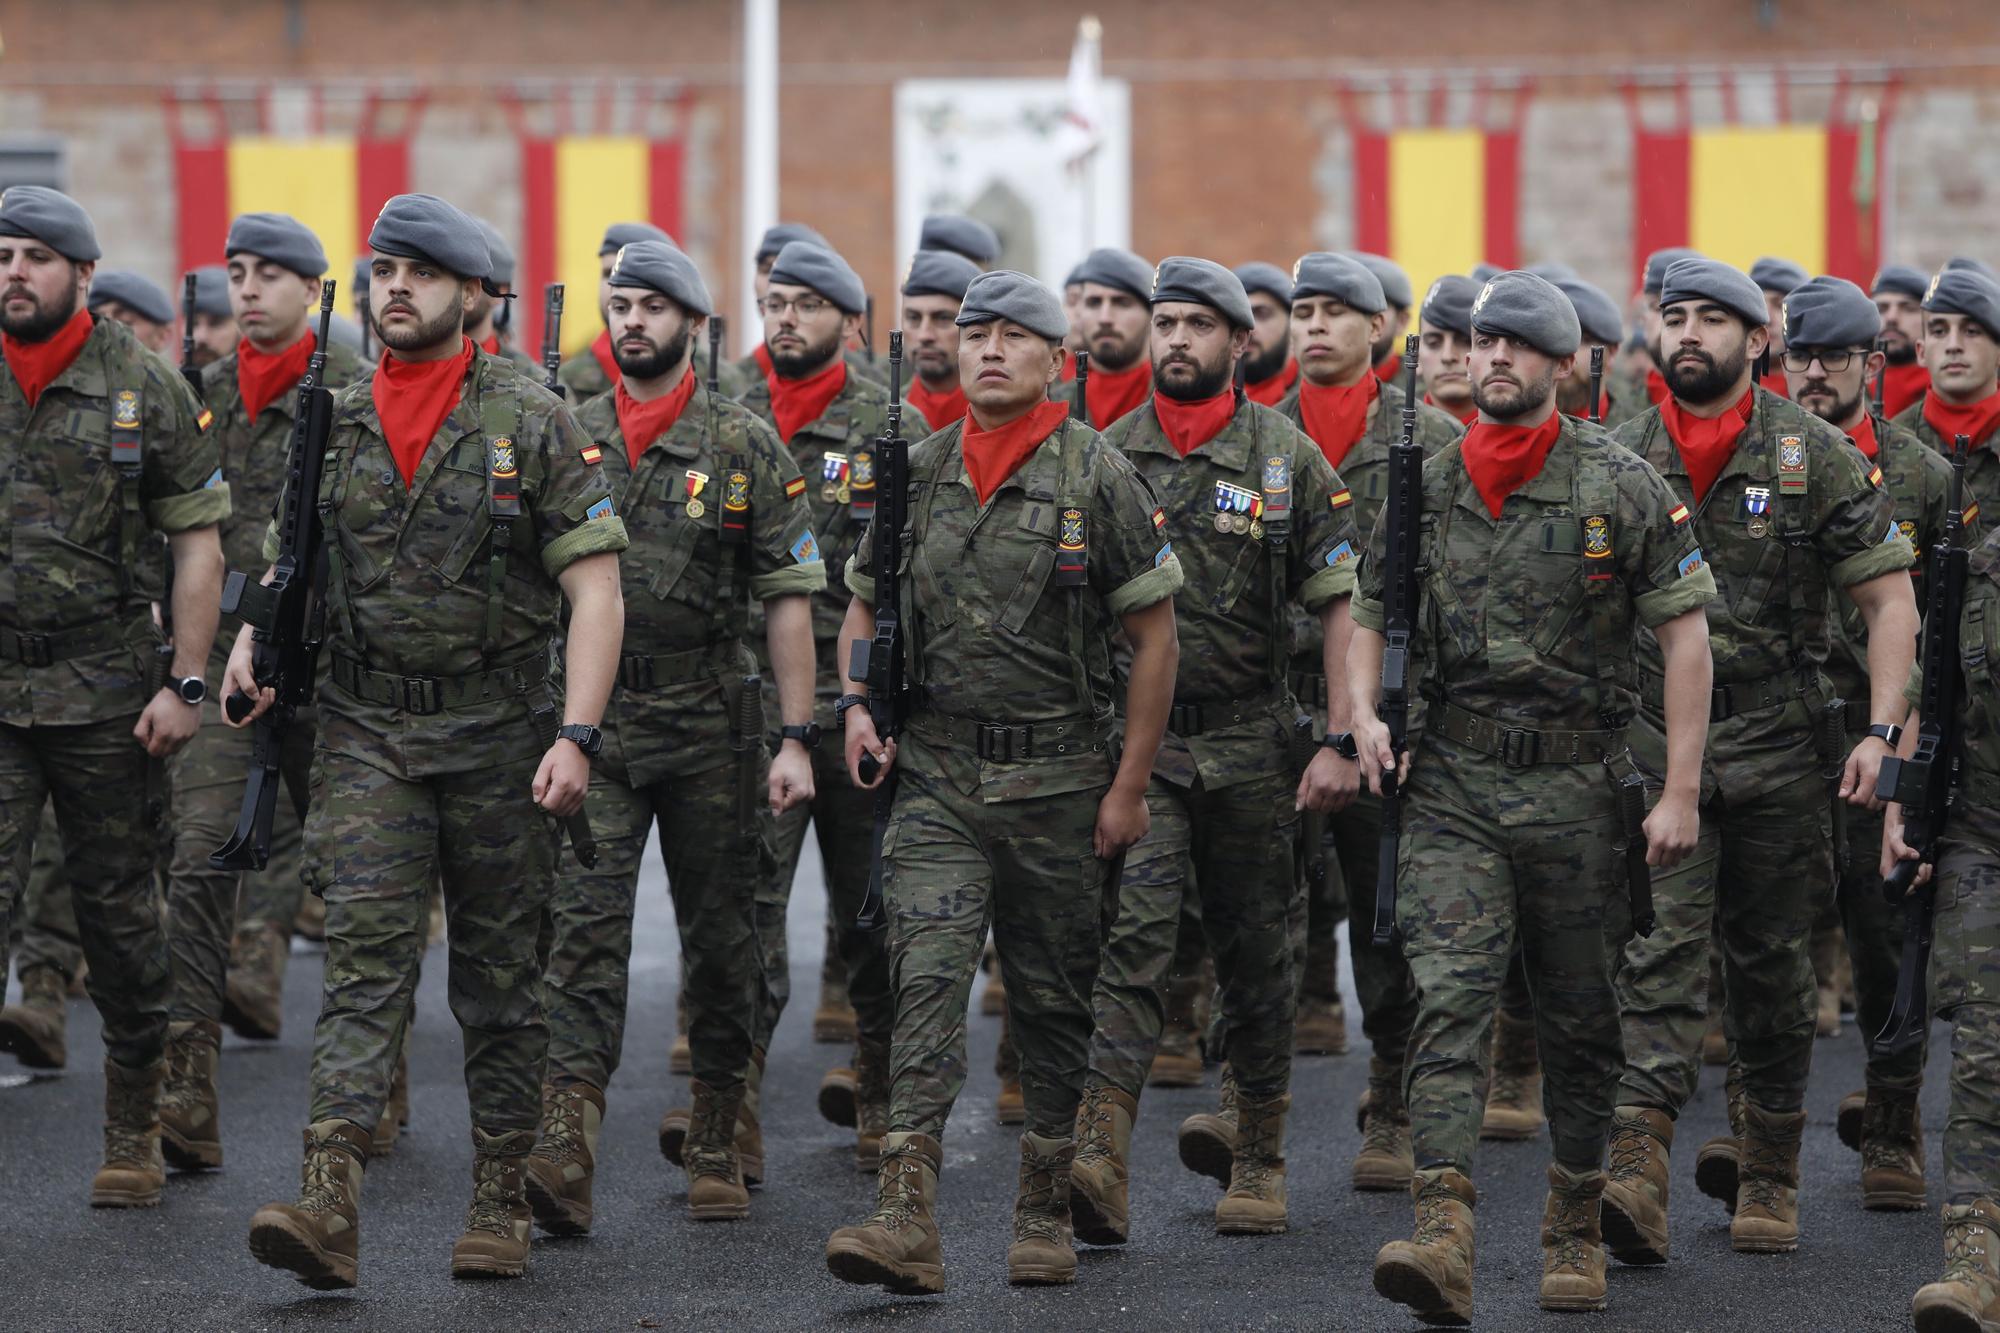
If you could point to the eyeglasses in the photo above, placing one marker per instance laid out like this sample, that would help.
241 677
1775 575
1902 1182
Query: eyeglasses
1834 359
807 306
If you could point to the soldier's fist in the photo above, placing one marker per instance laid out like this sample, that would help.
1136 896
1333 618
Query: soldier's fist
562 780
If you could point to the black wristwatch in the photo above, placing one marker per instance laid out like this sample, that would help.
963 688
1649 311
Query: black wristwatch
191 690
807 735
588 739
845 702
1341 743
1891 734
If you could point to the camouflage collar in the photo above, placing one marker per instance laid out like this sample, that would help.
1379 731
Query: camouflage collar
1038 476
464 419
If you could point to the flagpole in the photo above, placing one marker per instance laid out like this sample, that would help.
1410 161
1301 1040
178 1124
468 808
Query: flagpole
760 153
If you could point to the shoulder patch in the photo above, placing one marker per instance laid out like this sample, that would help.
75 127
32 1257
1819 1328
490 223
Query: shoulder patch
1597 537
125 410
805 550
1690 562
1875 475
1340 499
1164 554
592 454
1340 554
1679 515
602 509
1791 465
1892 534
203 420
1972 512
214 480
795 488
1159 520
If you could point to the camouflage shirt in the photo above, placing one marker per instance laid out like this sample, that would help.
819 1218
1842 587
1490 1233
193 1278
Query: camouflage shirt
1982 465
1976 811
65 565
673 504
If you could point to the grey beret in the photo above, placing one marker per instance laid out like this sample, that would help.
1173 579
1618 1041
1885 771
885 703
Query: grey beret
1976 265
1830 312
660 267
1396 289
51 217
1658 262
1258 276
621 234
960 235
1517 304
497 249
280 238
211 291
360 277
1777 275
1905 279
1204 282
1075 278
1968 292
1345 278
782 234
1712 280
939 273
804 264
1010 295
1448 304
1109 266
1554 270
423 226
1485 272
139 295
1596 313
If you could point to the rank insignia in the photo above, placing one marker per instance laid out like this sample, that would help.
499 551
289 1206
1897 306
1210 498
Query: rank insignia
1340 499
1071 536
1690 562
805 550
503 458
205 420
1791 465
736 497
795 488
602 509
1679 515
1596 537
592 454
125 410
1756 500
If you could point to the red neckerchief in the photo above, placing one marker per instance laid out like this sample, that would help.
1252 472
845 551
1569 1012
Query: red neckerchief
1465 418
1272 391
1774 382
1863 436
1657 391
642 423
1975 421
1335 416
940 409
264 377
796 403
992 456
1112 393
1499 458
1191 425
1705 443
1389 367
37 365
1903 385
490 344
601 349
413 398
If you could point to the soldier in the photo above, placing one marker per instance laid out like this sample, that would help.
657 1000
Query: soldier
274 271
1388 347
1777 279
595 369
1544 548
1597 315
1116 286
104 445
1231 774
1634 393
437 755
957 234
1444 327
1269 368
672 753
1008 812
932 290
47 956
1787 514
491 321
215 331
1899 298
1961 349
138 304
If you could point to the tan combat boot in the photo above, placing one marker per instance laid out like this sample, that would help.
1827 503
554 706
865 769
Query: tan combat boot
1572 1242
35 1030
1386 1160
1967 1298
1255 1203
1432 1271
897 1246
253 999
680 1056
1321 1027
395 1111
871 1102
1718 1164
1208 1139
1514 1099
1635 1196
133 1173
318 1238
749 1142
993 997
1892 1153
1011 1107
497 1225
833 1019
1099 1177
190 1109
560 1169
1043 1253
716 1192
838 1089
1767 1201
1847 1120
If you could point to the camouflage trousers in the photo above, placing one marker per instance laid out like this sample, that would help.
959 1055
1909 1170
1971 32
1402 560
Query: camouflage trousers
376 846
1760 873
1472 888
46 920
956 866
1965 975
1874 932
1383 981
1326 908
1238 844
713 871
95 777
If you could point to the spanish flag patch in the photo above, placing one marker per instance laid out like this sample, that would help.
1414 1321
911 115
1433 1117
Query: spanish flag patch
1679 514
592 454
1972 513
1340 499
1875 475
1159 521
795 488
205 420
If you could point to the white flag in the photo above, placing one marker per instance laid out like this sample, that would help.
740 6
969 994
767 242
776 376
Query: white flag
1082 128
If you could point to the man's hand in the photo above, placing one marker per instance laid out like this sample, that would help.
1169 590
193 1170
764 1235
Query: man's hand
238 677
1895 851
1671 830
1122 819
1330 784
860 739
1371 742
562 779
167 724
791 781
1864 766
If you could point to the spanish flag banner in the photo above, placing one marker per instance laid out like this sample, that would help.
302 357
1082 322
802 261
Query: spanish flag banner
333 185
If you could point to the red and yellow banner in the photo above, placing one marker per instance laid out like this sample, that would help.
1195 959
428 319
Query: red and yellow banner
1438 201
333 185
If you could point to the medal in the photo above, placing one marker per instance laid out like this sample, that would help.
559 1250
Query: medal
829 492
843 494
1240 524
695 508
1222 522
1758 526
1256 530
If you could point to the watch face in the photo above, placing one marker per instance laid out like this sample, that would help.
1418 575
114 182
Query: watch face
192 690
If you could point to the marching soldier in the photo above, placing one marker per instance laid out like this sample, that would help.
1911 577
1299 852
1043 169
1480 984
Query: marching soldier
956 234
105 448
1635 393
1269 368
595 369
1010 810
1387 350
215 331
1899 298
1444 327
1116 287
1961 350
932 291
464 507
1788 515
1597 315
1777 279
138 304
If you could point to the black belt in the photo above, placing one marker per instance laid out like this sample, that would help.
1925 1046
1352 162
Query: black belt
40 650
649 671
1520 747
1007 741
1192 717
1309 688
1727 701
425 695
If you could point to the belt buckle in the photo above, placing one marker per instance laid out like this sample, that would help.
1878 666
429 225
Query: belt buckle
421 696
992 742
1519 747
36 649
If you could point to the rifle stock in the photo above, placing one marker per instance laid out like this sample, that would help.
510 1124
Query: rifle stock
552 311
879 661
1399 612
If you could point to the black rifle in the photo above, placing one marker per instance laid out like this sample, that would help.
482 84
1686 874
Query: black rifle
552 339
868 328
1597 385
361 308
1923 784
1079 403
1876 401
285 638
879 661
1399 619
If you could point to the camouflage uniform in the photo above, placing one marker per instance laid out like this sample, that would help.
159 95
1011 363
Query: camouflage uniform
78 573
46 924
1982 465
1005 662
1763 866
440 650
1521 635
668 752
1222 789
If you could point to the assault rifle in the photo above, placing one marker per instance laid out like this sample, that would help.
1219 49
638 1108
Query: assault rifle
1597 385
1399 619
879 661
1079 405
552 339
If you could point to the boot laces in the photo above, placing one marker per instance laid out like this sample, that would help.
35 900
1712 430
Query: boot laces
1566 1231
320 1179
1965 1252
1384 1132
1886 1138
128 1125
493 1189
562 1126
1434 1218
711 1139
1509 1088
1036 1212
900 1192
1631 1149
1094 1125
183 1052
1762 1175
